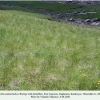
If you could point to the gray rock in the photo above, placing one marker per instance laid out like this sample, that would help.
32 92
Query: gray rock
94 20
79 20
71 19
95 23
75 12
87 20
83 13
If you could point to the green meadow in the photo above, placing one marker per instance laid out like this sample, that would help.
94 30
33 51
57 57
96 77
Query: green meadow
39 54
53 8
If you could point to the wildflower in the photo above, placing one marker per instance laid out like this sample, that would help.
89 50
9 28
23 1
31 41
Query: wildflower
98 83
84 75
14 68
96 86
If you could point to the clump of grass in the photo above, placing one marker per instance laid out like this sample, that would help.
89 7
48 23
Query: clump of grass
38 54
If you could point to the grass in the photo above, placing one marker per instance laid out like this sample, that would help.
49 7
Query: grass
38 54
86 16
53 7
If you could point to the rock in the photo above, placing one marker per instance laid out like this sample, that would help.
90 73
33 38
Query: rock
71 19
95 23
79 20
75 12
87 20
94 20
83 13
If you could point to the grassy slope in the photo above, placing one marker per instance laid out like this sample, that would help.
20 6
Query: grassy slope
37 54
54 7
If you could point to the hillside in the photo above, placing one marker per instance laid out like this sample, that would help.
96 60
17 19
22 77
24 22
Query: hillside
77 12
51 8
39 54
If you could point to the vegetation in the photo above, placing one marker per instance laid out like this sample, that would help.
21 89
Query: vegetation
53 8
38 54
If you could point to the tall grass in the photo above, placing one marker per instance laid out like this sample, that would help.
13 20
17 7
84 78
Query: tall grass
38 54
